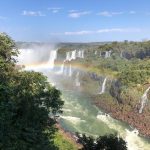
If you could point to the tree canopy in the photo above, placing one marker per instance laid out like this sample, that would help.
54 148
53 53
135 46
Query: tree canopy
28 104
106 142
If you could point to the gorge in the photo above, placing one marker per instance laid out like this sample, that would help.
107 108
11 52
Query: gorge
83 84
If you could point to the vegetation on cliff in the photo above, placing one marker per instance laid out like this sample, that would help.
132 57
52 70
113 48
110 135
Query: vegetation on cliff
127 68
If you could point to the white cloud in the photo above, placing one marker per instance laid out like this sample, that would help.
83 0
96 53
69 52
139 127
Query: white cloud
77 14
84 32
88 32
54 9
33 13
119 30
109 14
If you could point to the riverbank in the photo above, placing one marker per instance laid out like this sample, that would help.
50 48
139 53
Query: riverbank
133 118
67 138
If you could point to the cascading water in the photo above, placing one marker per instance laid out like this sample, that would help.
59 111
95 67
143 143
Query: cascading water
68 56
53 56
82 54
79 54
65 71
100 54
61 71
77 82
62 68
103 86
70 70
107 54
73 55
144 100
95 53
26 53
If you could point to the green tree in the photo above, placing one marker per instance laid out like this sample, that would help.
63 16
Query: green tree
28 104
107 142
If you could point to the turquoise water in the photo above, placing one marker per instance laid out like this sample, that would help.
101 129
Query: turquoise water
79 115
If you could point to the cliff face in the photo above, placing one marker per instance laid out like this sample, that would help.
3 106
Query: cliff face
116 80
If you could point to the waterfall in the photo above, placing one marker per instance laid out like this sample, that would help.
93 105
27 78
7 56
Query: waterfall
62 68
100 54
65 71
53 56
61 71
144 100
95 52
73 55
79 54
82 54
68 56
70 71
77 82
107 54
103 86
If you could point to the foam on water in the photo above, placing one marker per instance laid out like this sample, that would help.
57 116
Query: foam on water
134 142
74 120
66 110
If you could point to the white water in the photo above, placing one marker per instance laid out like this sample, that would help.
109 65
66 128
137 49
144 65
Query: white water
134 142
26 56
82 54
73 55
70 70
81 116
70 55
107 54
65 70
79 54
103 86
100 54
53 56
77 81
61 71
144 100
62 68
74 120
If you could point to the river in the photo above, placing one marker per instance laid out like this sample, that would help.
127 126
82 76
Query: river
79 115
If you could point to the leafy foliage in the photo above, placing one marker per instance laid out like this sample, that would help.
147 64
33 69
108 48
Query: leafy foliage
28 104
107 142
63 143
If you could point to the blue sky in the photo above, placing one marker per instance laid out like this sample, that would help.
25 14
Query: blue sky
75 20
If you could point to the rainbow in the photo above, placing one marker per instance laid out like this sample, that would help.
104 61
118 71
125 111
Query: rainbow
57 64
76 66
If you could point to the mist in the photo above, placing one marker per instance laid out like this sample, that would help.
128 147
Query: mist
35 53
